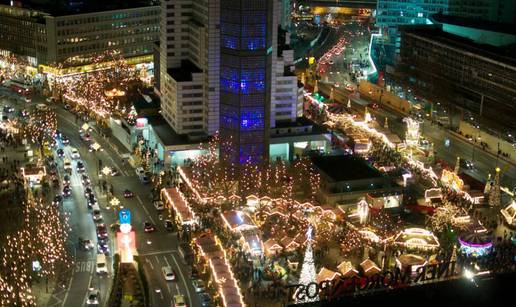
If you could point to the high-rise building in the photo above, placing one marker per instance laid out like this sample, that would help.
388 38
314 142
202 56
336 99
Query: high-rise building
46 33
245 84
501 11
477 77
392 13
189 59
284 89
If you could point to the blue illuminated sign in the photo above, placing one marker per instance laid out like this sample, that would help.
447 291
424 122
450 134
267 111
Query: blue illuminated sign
124 216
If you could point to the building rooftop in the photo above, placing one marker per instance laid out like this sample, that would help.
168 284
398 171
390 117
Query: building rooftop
343 168
145 103
184 72
69 7
435 33
166 134
474 23
296 127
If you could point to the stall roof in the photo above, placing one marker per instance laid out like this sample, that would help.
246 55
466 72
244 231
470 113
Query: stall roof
237 220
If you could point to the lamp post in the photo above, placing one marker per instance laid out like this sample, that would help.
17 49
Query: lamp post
114 202
106 171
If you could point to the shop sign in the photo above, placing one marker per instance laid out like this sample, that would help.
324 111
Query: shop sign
331 289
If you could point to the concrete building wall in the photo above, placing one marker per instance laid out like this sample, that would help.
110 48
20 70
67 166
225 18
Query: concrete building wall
55 39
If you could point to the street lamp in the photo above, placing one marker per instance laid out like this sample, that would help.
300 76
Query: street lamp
114 202
106 171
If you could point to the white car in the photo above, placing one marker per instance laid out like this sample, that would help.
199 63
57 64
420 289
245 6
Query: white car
179 301
158 204
75 153
168 273
140 171
93 297
199 286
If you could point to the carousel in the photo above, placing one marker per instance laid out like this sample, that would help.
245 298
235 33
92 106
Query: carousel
476 244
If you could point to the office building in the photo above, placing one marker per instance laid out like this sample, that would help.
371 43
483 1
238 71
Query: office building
477 77
500 11
189 66
45 33
392 13
245 84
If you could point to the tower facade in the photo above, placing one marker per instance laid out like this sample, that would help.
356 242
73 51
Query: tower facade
245 79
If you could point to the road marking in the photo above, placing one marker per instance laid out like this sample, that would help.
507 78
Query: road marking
139 199
169 251
184 280
152 220
150 263
67 291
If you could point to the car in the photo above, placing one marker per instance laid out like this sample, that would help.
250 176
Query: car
67 191
85 136
74 153
144 179
115 226
24 113
468 164
194 274
199 286
80 167
57 134
85 244
95 147
349 87
373 106
92 201
65 140
114 172
101 231
168 273
85 180
140 171
158 204
96 214
58 199
87 192
67 165
128 193
93 297
169 225
179 301
8 109
60 153
66 180
205 299
148 227
102 246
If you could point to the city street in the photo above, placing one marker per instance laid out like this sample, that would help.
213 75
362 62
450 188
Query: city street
485 162
156 249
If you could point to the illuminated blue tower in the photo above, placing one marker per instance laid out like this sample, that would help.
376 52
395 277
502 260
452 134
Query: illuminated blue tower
245 55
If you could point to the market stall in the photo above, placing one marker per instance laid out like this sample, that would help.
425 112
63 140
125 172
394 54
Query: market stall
369 267
347 269
405 261
417 238
176 201
326 275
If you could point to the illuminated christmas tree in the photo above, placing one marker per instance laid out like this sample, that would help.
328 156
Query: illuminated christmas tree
308 273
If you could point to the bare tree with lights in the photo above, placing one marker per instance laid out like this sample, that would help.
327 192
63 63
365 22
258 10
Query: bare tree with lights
101 92
41 238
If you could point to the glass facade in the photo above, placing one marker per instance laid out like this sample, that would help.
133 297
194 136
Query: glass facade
244 85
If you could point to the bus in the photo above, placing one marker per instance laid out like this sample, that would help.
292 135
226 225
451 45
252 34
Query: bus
19 87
